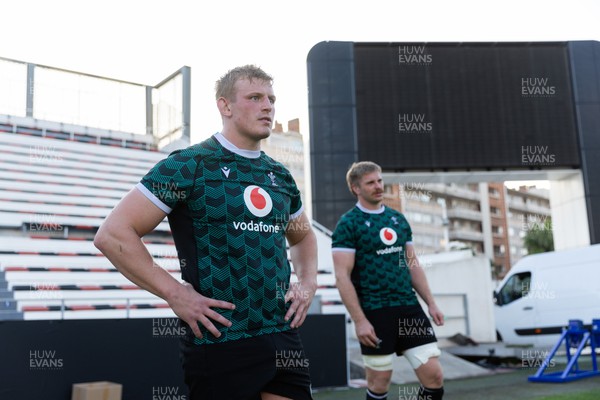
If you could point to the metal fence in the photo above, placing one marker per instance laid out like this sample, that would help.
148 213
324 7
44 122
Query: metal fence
59 95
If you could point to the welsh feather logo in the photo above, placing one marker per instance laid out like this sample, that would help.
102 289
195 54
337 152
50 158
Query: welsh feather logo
258 201
388 236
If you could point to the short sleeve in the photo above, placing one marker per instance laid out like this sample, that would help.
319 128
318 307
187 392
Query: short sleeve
291 189
408 229
342 238
170 181
296 207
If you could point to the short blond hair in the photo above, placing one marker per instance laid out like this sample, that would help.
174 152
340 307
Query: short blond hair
358 170
225 86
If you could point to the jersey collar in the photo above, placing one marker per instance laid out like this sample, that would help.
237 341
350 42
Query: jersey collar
366 210
234 149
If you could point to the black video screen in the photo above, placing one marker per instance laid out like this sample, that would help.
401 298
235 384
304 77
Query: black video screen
444 106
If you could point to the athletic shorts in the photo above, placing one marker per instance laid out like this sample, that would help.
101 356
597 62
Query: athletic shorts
242 369
399 328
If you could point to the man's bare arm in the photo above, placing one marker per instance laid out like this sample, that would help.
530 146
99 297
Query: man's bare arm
419 282
119 239
343 263
303 251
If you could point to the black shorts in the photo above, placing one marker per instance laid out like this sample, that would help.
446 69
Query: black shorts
399 328
242 369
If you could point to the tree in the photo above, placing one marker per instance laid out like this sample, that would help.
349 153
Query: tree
539 238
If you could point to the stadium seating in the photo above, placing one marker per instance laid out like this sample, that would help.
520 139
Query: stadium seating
57 184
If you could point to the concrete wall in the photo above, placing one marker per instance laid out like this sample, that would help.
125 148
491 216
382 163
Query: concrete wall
455 273
569 213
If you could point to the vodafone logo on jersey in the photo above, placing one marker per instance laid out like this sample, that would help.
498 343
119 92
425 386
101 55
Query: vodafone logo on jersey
258 201
388 236
260 204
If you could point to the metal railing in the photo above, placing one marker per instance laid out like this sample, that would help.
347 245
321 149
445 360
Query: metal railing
127 304
124 304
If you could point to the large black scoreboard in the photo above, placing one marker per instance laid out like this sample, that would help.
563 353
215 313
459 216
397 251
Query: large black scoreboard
464 105
418 107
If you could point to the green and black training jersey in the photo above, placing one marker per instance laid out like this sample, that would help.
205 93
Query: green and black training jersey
377 238
228 209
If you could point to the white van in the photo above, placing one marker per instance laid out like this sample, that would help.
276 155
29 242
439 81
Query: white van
542 292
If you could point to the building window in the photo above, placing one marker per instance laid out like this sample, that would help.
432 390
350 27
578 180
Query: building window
424 198
499 250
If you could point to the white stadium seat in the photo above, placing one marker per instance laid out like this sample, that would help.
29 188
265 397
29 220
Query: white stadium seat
54 194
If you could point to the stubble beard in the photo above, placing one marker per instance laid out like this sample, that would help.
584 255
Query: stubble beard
256 136
373 201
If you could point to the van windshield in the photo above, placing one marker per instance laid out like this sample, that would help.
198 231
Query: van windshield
516 286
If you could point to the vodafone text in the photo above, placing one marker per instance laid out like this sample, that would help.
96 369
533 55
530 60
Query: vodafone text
388 250
256 227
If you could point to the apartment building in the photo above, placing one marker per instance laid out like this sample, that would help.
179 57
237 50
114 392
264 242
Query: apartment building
488 218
